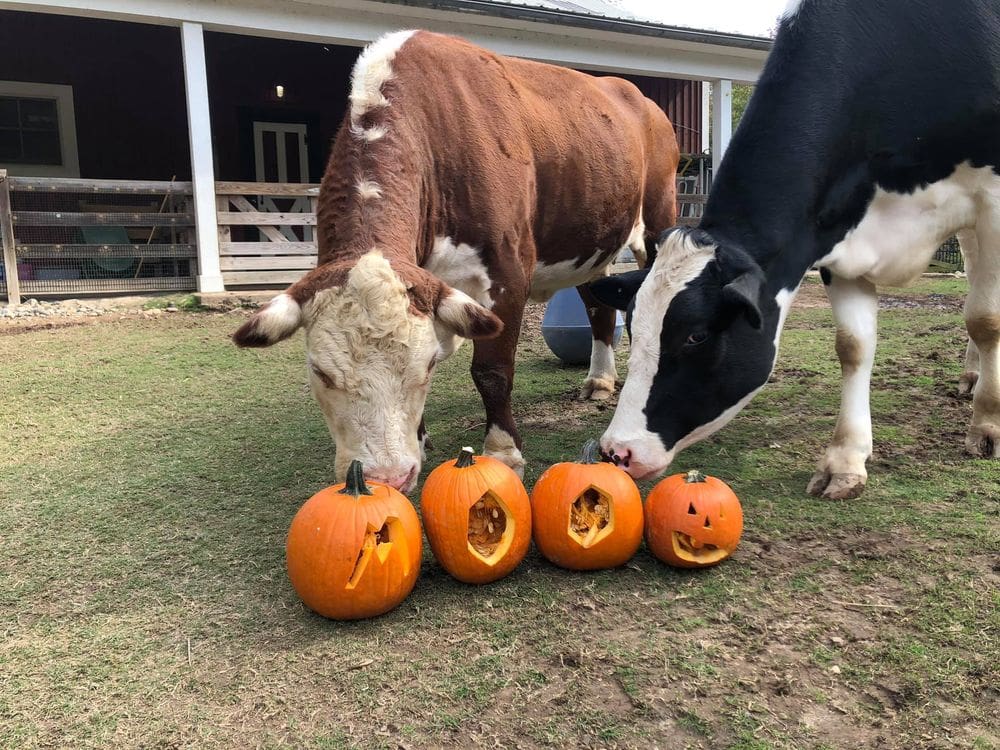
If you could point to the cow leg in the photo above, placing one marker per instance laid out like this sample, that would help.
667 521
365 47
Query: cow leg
970 374
841 473
600 382
982 319
493 374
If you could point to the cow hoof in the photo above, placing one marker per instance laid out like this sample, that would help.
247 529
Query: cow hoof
597 389
967 383
983 441
836 486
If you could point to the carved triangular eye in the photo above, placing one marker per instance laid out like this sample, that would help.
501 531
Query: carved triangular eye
691 510
708 524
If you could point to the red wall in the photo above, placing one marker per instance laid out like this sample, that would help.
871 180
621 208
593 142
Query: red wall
128 91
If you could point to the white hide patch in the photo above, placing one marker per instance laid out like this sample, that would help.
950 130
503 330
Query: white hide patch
279 319
371 71
783 299
368 190
548 278
899 233
460 267
602 362
370 361
679 261
500 445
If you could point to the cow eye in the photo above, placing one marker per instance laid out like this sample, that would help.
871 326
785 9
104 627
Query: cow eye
326 379
698 337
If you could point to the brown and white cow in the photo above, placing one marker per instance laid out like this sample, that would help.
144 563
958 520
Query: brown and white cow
460 185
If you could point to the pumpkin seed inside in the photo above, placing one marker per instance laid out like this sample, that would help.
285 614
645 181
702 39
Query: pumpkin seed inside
487 523
590 513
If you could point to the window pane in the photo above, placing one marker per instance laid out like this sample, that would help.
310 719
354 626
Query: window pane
39 114
8 112
41 148
10 146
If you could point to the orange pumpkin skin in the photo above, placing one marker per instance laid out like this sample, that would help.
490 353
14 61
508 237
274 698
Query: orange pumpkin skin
552 506
456 523
352 555
693 521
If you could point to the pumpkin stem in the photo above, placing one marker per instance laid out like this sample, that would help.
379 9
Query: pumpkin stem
355 483
465 458
591 453
694 476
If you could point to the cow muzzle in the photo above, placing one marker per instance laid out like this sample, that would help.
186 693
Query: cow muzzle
402 477
642 458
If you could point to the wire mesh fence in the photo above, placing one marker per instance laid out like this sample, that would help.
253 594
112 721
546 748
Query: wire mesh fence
101 236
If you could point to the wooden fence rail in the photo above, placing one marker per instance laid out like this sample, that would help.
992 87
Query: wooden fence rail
269 239
266 233
64 236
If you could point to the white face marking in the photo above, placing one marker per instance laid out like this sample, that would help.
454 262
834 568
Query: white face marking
370 364
460 267
279 318
899 233
678 262
791 9
371 71
368 190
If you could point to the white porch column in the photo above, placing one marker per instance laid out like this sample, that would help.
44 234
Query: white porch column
722 120
202 166
706 115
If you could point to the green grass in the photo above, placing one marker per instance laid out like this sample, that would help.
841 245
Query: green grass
149 471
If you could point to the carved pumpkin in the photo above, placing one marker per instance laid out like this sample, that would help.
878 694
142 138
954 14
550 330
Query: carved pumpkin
477 516
354 551
693 521
586 515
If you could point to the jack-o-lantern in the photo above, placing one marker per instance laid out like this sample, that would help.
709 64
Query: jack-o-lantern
353 551
586 515
693 521
477 517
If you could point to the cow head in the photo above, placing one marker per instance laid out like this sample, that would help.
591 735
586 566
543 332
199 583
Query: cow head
374 333
703 343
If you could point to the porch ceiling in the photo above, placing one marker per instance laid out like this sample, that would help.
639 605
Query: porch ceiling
581 42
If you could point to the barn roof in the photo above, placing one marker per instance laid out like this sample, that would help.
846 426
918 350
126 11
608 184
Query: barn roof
605 15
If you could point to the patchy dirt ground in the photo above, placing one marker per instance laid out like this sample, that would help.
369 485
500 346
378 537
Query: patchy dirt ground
150 470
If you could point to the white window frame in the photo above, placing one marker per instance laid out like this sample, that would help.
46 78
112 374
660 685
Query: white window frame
67 128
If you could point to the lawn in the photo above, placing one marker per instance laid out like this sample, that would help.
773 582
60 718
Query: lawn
149 472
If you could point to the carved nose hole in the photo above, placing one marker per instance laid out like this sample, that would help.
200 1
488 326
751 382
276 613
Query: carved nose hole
708 523
590 517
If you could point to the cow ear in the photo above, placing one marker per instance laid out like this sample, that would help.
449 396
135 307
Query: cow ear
618 291
277 320
744 292
460 313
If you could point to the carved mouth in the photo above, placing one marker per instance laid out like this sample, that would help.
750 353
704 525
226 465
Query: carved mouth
692 550
377 542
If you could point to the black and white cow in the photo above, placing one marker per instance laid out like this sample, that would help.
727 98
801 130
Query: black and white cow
873 135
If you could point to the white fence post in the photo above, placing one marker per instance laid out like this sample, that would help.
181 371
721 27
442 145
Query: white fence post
7 240
202 166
